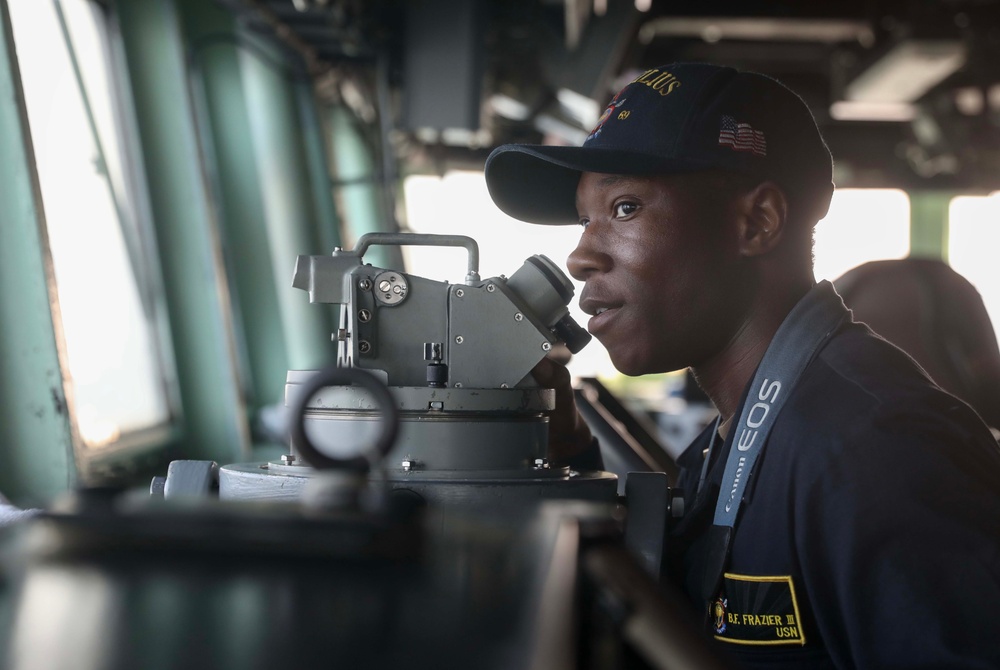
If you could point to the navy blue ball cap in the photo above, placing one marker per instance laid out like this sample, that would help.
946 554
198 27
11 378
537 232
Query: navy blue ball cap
683 117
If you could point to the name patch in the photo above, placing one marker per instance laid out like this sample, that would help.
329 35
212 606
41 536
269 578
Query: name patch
756 611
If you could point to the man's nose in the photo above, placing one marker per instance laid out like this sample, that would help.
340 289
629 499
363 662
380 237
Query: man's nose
588 258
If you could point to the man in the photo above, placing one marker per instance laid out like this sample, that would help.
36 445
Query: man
844 512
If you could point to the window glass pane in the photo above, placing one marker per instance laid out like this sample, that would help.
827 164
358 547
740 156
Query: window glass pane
118 383
862 225
459 204
973 240
87 29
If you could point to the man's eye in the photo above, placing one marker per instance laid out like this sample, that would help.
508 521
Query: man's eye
584 222
625 209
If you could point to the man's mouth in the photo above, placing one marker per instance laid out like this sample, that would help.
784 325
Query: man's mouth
601 308
602 317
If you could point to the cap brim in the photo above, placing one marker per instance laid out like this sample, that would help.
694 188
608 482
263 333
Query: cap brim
537 183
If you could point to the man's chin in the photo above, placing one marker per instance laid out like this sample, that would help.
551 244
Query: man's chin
633 365
629 364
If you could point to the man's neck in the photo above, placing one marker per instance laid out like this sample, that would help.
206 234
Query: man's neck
725 376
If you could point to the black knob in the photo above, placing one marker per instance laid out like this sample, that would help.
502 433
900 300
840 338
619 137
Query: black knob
437 372
572 333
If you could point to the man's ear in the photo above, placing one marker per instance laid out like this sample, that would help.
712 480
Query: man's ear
764 217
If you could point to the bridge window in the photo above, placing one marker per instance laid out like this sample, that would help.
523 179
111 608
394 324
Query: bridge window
862 225
973 240
105 271
460 204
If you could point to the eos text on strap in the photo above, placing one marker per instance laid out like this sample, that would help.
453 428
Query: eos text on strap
803 333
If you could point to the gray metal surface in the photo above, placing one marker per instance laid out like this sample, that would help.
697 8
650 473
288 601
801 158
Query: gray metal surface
255 481
397 329
480 433
652 505
436 440
190 478
425 240
420 398
494 341
322 277
493 332
660 630
535 288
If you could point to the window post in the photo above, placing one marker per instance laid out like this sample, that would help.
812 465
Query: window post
35 409
929 224
215 421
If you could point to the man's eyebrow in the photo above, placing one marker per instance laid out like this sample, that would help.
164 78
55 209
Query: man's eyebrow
612 179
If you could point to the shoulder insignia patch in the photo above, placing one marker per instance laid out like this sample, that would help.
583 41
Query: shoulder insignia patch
756 611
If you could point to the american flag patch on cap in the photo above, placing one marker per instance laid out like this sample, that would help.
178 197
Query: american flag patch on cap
742 137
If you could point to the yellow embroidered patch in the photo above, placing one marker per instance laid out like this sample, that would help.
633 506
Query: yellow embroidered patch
757 610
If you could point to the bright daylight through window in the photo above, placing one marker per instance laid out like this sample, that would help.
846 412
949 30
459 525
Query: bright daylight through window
973 240
103 282
863 225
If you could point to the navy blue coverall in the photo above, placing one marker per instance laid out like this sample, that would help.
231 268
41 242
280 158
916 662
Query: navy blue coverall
869 535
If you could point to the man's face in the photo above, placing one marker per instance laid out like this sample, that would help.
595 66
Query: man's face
664 279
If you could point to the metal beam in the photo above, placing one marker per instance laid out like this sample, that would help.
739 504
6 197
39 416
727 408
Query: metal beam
358 188
272 99
38 430
314 132
223 119
197 293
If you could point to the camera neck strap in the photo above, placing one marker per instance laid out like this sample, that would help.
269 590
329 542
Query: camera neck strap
799 338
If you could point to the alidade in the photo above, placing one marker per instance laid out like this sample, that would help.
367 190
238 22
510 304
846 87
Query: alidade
456 359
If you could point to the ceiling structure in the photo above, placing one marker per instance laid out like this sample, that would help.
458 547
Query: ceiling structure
906 93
